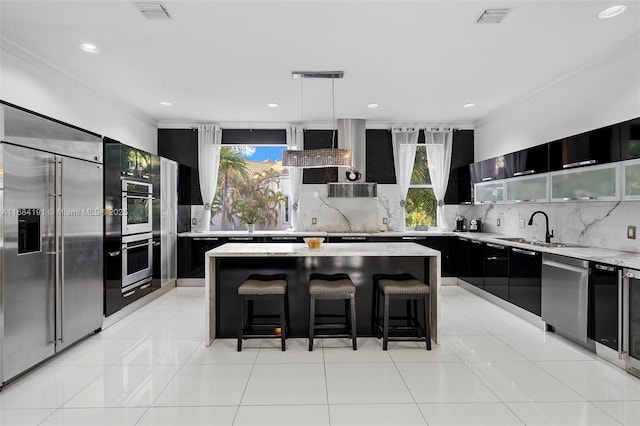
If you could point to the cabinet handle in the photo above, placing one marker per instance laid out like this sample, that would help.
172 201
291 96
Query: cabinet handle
525 201
527 252
240 238
156 244
283 238
129 293
476 242
495 246
579 198
605 268
487 202
414 238
493 258
486 179
145 286
462 239
205 239
526 172
579 163
353 238
629 275
113 253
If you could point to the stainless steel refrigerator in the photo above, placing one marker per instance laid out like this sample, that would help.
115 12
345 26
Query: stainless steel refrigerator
51 238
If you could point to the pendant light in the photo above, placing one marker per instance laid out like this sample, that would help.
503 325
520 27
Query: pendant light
324 157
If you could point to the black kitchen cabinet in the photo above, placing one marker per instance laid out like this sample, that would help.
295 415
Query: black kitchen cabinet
527 161
459 187
487 170
598 146
629 139
379 157
283 239
443 245
191 252
317 139
525 279
496 270
469 261
603 304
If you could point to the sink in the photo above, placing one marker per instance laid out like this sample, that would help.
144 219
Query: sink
515 240
537 243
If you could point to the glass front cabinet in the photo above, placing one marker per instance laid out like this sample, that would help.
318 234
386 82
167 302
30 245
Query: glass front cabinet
489 192
594 183
528 189
630 171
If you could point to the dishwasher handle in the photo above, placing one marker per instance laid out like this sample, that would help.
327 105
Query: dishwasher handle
560 265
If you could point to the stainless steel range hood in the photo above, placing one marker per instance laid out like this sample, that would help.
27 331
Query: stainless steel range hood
352 135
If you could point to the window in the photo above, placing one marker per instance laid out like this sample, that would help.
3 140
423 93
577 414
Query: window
253 187
421 201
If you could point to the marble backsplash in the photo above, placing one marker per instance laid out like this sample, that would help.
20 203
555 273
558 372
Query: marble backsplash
596 224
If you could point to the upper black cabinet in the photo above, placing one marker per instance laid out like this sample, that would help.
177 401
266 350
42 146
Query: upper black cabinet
527 161
595 147
486 170
629 139
380 166
459 187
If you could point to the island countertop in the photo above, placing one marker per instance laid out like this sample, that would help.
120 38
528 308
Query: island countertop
340 250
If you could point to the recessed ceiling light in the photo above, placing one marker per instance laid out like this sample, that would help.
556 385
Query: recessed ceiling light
612 11
373 106
273 105
89 47
469 105
165 103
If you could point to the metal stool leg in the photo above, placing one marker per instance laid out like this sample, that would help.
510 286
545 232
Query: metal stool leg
385 323
312 314
427 323
374 306
283 324
353 322
241 324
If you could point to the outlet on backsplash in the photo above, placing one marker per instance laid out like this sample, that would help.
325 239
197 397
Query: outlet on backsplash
521 223
498 222
631 232
385 220
314 221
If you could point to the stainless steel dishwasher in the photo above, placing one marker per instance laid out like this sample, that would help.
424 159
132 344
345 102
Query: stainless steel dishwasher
565 295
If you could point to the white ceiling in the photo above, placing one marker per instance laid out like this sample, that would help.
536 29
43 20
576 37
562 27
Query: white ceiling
225 60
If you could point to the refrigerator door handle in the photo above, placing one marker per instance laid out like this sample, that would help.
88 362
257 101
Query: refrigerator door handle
61 180
56 238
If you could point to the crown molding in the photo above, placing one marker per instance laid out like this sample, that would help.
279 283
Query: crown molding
115 100
630 44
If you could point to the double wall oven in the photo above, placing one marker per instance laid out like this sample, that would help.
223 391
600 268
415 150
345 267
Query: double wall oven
137 204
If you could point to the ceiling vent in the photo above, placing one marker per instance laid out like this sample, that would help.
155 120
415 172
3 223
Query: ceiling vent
493 16
152 10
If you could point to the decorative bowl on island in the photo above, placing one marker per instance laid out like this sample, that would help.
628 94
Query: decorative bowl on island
313 242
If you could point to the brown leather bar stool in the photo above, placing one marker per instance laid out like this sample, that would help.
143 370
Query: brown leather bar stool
406 287
328 287
263 287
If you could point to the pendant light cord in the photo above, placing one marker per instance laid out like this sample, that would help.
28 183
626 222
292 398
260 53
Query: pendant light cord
333 113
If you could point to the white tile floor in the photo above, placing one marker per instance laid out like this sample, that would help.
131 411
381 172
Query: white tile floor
492 368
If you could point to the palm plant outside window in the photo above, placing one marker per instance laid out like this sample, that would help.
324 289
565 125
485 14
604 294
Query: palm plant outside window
421 202
252 188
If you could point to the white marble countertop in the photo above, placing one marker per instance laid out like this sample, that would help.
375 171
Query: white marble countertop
434 233
325 250
596 254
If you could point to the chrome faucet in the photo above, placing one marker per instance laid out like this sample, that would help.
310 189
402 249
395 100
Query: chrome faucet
548 235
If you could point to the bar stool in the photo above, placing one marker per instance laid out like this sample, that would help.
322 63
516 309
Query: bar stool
402 287
327 287
263 287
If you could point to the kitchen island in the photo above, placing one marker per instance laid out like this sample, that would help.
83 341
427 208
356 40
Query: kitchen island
226 266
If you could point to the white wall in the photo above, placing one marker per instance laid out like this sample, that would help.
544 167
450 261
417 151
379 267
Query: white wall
604 92
28 82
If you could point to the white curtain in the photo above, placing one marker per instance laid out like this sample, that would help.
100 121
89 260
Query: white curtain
439 145
209 141
295 140
404 155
